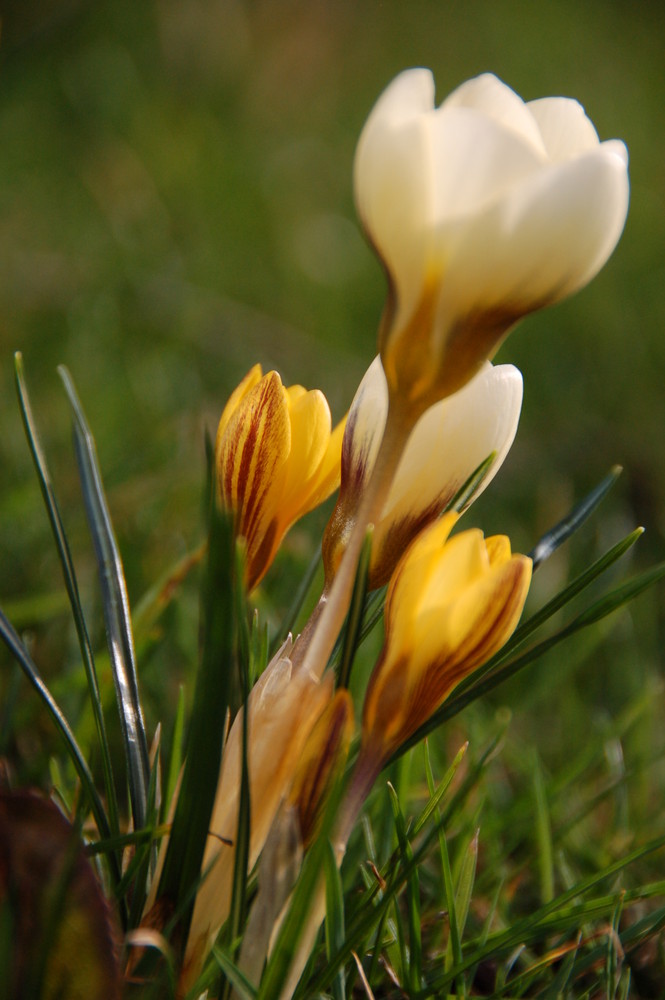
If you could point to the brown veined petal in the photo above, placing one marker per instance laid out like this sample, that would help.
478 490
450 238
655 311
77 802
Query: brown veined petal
251 460
252 378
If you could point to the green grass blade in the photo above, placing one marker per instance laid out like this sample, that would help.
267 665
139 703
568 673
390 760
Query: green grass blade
234 976
334 917
13 642
291 616
454 949
116 609
543 831
562 531
465 882
468 490
189 831
413 968
238 912
71 586
175 761
355 616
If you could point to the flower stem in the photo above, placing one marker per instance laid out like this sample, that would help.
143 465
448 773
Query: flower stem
316 643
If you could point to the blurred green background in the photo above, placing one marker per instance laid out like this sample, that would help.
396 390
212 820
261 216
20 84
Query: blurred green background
176 203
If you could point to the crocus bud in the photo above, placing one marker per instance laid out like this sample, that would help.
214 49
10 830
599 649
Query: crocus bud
282 709
451 604
481 210
277 459
321 762
449 442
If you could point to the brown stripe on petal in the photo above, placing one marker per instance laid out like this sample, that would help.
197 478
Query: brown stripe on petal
393 542
501 613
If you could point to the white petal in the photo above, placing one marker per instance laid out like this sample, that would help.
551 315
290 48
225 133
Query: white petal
548 239
451 440
475 161
365 424
564 126
486 93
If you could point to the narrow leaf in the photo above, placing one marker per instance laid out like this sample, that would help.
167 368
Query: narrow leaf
334 917
116 609
355 616
71 585
562 531
191 821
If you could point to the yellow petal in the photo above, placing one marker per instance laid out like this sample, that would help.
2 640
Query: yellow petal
251 379
310 434
251 461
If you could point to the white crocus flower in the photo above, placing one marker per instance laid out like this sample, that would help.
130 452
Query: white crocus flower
481 210
449 442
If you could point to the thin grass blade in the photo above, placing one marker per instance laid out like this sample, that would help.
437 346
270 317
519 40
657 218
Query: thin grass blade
413 968
13 642
116 609
191 820
71 585
562 531
356 612
334 917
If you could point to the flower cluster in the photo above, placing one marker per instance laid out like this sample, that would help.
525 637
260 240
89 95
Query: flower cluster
481 211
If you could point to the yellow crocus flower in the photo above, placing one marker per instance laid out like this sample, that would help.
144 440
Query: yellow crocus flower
277 458
451 604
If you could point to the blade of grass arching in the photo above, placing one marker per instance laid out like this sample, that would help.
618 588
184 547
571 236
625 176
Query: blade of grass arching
574 588
258 652
562 531
543 832
237 913
605 606
116 609
467 491
13 642
291 616
466 878
234 976
147 853
198 787
175 761
354 619
158 597
557 916
71 585
413 966
612 960
431 809
334 917
454 949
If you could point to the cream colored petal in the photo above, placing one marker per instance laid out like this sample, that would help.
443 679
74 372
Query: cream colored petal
490 96
364 428
448 444
451 440
393 179
548 239
476 160
564 127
